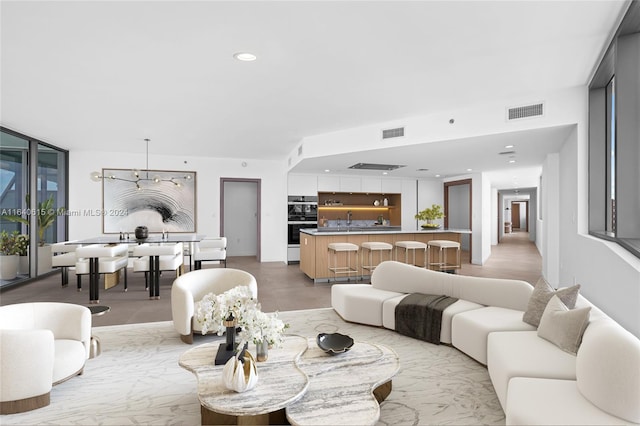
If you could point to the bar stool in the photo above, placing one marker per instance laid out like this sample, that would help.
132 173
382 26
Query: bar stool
413 246
333 251
371 247
443 246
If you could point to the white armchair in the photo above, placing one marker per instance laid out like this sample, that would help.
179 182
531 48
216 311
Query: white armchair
210 249
193 286
41 344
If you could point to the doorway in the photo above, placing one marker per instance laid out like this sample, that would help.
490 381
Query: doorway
520 215
240 216
457 209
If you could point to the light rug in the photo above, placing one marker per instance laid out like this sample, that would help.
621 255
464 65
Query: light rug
137 380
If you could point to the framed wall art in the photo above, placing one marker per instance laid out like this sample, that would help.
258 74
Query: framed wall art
161 200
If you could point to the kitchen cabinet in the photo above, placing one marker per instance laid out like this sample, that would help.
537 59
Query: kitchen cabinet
391 186
372 185
302 184
328 183
350 184
314 245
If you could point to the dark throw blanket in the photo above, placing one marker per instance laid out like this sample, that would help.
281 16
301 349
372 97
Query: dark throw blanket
420 316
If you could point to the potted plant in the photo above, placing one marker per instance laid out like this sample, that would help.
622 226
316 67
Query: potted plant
46 215
429 215
8 255
22 243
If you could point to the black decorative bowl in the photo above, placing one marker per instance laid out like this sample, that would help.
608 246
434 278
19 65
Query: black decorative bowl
141 232
334 343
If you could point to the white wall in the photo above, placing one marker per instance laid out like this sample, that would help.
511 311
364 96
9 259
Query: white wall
86 194
430 192
609 276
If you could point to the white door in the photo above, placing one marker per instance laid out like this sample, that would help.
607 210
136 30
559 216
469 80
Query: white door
240 218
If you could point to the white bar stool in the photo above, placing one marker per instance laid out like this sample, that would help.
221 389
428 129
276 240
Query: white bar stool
443 246
371 247
333 251
413 246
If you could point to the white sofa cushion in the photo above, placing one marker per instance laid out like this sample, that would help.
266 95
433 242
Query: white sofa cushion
69 359
389 317
534 401
523 354
608 369
361 303
470 329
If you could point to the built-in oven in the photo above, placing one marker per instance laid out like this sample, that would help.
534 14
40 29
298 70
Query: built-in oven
302 212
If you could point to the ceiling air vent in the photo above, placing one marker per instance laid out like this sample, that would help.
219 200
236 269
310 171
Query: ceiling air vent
526 111
369 166
393 133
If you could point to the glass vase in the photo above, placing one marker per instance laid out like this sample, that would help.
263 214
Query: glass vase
262 351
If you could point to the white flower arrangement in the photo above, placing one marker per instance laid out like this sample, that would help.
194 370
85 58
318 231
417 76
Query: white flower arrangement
260 326
214 309
237 303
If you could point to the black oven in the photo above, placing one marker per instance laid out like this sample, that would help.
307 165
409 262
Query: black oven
293 229
302 208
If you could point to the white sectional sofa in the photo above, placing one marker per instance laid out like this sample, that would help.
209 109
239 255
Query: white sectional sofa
536 381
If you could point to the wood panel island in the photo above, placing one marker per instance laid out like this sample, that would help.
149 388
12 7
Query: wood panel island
314 243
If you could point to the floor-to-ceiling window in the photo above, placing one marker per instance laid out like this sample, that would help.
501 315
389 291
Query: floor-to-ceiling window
41 217
614 139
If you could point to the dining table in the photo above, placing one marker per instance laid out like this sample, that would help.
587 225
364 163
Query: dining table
154 262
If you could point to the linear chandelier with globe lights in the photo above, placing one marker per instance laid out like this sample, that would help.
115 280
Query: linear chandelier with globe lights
137 176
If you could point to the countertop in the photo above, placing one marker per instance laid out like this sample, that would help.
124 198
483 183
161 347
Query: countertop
377 230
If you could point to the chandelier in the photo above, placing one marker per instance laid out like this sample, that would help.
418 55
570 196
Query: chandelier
140 176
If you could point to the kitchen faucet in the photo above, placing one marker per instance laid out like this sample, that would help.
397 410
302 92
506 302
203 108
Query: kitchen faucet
349 218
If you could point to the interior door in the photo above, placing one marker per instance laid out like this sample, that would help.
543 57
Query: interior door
515 215
241 216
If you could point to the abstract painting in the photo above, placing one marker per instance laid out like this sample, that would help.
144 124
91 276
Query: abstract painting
161 200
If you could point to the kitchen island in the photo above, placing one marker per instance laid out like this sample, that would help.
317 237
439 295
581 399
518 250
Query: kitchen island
314 243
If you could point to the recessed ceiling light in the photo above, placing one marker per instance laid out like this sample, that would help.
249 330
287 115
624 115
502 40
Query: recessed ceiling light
245 56
327 170
508 146
469 170
385 173
512 161
437 175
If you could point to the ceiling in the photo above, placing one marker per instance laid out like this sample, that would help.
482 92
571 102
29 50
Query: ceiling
90 75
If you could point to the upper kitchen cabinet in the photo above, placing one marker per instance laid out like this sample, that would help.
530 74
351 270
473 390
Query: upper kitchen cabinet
328 183
370 184
391 186
350 184
301 184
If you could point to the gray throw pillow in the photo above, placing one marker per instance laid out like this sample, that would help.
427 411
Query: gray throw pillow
562 326
541 295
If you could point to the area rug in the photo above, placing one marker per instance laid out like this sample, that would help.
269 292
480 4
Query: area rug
136 380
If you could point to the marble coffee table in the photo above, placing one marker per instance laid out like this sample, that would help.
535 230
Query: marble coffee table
299 383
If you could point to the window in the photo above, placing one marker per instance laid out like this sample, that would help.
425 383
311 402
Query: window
614 139
17 179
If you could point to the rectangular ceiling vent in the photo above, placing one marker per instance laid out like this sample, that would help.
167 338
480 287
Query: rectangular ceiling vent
526 111
370 166
393 133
